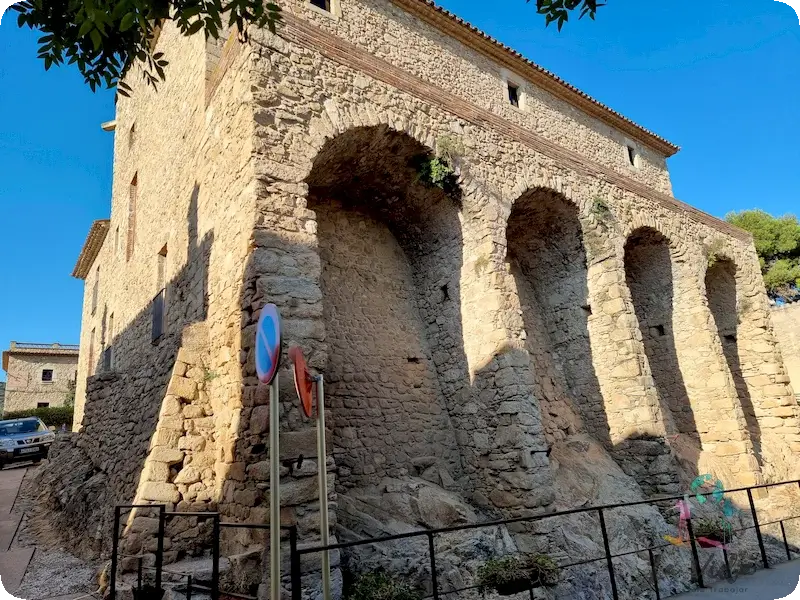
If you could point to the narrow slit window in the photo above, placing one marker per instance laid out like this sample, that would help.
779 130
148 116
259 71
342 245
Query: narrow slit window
132 193
323 4
632 156
91 354
95 290
513 94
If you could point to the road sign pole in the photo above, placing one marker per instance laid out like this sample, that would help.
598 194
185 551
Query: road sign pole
322 460
275 491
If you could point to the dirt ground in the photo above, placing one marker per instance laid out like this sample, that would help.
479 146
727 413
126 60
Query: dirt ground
53 573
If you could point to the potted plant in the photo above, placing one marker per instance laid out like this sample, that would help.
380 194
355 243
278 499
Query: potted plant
511 575
712 533
380 586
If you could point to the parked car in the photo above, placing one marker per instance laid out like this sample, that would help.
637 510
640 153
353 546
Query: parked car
24 439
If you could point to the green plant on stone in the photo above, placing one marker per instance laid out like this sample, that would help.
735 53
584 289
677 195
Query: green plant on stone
501 574
449 149
717 529
209 375
439 170
601 209
380 586
713 252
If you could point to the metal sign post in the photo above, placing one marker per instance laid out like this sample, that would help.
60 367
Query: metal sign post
274 492
304 384
322 459
268 357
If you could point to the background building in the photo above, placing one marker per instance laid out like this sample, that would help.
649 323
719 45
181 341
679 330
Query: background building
39 375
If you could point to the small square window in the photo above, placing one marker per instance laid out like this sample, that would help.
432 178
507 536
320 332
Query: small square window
42 405
47 375
323 4
513 94
632 155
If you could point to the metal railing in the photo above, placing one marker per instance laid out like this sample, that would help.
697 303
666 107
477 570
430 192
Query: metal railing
296 553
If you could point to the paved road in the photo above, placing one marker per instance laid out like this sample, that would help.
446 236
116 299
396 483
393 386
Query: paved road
13 563
767 584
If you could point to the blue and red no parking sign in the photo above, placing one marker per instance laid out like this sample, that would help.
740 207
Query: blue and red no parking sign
268 343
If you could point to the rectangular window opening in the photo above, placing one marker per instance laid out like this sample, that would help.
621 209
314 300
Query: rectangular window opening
42 405
47 375
91 354
632 156
132 193
109 359
513 94
160 301
95 290
323 4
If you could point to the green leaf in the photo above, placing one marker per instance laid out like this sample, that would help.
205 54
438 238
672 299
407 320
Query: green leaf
127 21
97 39
86 27
194 27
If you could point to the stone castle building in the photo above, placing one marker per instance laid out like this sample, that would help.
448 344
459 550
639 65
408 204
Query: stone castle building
484 344
39 375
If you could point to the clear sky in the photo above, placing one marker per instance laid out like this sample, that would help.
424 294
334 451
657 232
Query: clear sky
722 81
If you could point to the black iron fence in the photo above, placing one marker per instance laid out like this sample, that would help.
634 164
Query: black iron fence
296 553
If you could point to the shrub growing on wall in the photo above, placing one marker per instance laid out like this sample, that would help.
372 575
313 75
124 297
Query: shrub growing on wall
55 416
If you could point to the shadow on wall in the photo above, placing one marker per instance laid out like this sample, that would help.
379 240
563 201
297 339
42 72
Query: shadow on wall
374 298
722 300
650 279
548 262
91 471
387 263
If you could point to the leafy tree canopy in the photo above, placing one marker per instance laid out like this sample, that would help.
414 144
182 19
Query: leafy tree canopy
105 38
777 241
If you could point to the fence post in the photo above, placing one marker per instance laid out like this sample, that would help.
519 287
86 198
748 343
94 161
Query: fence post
294 564
189 588
655 574
114 550
609 560
139 574
758 529
434 577
785 542
162 518
215 559
695 555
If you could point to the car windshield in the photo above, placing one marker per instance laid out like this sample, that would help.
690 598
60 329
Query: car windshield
21 426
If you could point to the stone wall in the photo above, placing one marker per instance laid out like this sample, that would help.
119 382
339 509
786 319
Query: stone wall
25 389
467 335
787 331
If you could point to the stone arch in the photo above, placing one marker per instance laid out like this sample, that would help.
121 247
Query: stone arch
547 260
390 248
650 278
721 286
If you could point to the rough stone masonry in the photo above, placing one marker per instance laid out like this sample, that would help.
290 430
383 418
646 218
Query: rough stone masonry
560 310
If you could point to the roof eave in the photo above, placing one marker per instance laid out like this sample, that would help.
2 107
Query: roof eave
91 247
481 42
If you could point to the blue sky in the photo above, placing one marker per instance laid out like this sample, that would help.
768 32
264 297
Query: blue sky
722 82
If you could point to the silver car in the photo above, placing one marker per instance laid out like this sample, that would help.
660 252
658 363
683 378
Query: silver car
24 439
